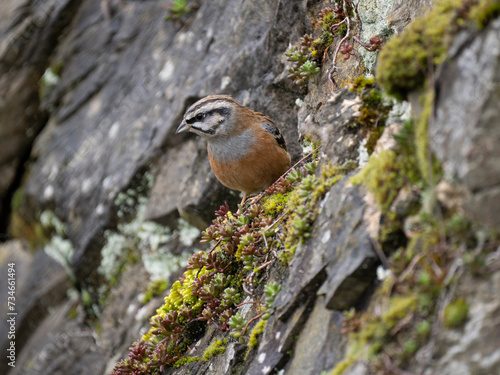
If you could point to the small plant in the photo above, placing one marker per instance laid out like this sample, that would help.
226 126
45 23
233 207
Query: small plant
310 53
237 324
178 10
303 67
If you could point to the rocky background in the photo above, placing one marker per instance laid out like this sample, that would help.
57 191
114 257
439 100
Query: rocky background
99 197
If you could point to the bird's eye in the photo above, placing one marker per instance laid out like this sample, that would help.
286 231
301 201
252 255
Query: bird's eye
200 116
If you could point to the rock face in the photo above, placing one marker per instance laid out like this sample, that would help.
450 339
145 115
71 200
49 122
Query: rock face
90 96
29 37
465 128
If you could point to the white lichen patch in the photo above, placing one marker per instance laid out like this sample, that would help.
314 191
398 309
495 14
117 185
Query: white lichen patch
144 239
373 14
49 220
162 265
363 155
59 248
187 233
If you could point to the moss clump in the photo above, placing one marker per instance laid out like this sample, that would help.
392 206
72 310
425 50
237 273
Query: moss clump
485 11
154 289
217 347
275 203
257 330
392 170
382 177
404 61
374 111
185 361
455 314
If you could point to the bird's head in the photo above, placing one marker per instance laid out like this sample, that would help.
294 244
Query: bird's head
210 117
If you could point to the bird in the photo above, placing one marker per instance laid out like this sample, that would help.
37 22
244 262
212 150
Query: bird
246 150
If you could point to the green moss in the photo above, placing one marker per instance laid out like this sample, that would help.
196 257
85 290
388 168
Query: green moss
155 288
404 61
275 203
423 154
73 312
17 199
398 308
217 347
302 205
455 314
361 82
374 111
256 331
382 177
343 365
185 361
485 11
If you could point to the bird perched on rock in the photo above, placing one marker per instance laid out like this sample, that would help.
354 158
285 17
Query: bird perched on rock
246 150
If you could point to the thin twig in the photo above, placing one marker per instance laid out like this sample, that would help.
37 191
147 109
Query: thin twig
250 321
380 254
266 264
410 267
335 55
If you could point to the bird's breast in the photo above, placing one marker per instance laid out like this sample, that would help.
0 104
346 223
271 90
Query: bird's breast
231 149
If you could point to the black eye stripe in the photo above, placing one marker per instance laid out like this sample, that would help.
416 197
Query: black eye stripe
202 115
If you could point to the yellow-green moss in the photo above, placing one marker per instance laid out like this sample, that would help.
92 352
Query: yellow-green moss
178 296
217 347
404 61
343 365
455 314
398 308
382 177
256 331
422 138
155 288
302 205
275 203
185 361
485 11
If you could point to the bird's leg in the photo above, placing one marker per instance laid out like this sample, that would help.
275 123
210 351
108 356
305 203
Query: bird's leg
240 207
244 199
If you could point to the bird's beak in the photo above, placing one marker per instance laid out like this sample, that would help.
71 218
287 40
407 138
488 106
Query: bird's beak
182 127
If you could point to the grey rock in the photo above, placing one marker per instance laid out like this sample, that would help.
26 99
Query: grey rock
55 336
343 235
27 36
331 125
465 131
403 12
473 347
320 344
41 284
